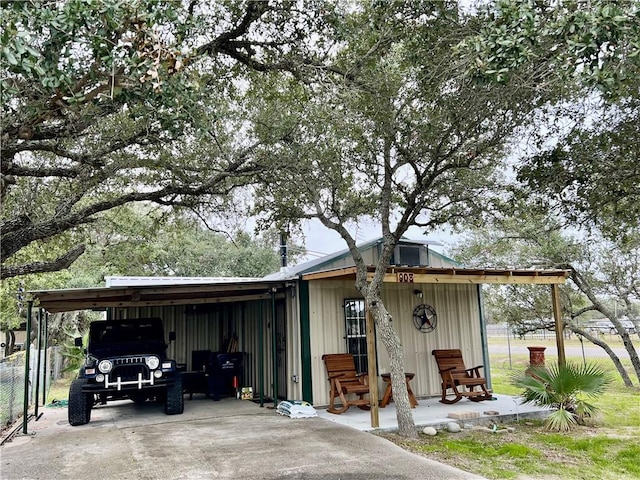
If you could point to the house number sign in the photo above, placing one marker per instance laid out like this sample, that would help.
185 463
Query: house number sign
404 277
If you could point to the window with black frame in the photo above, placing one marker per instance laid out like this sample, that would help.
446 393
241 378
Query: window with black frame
356 332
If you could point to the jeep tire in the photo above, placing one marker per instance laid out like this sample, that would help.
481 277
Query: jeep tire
80 403
174 402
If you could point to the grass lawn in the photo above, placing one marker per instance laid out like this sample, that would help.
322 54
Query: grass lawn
608 448
60 389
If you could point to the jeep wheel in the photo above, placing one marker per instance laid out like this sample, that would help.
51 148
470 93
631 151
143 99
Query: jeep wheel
174 403
79 403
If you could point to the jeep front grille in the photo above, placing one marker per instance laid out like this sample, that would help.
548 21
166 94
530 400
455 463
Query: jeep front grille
129 361
129 372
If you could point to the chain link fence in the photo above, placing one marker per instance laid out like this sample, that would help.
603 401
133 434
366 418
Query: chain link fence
12 380
11 387
505 331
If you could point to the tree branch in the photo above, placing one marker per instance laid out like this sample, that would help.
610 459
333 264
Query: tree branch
39 267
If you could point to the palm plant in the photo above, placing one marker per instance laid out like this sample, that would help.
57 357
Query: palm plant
563 388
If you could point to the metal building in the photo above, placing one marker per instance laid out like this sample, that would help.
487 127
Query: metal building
282 324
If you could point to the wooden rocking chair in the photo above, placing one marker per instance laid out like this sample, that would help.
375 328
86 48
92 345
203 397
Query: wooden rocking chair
344 381
461 380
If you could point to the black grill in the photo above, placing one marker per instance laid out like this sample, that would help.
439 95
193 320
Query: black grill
130 372
128 360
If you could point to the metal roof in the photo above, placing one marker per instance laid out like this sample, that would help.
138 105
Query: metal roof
247 290
155 295
140 281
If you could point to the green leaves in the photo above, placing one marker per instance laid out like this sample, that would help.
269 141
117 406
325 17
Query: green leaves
561 387
595 42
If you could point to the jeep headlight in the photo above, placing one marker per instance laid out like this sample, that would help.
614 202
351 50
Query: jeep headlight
153 362
105 366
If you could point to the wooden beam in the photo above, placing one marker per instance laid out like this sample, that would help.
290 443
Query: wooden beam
372 370
193 289
341 272
559 324
460 278
67 306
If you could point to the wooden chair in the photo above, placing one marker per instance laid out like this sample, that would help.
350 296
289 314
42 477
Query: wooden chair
461 380
344 381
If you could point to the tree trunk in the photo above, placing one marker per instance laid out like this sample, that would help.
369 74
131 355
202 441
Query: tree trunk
406 424
9 343
616 361
633 353
628 345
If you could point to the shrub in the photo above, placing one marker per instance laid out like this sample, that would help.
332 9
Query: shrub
563 388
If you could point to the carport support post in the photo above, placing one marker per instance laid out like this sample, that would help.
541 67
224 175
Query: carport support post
261 354
274 347
46 346
559 324
372 371
39 350
27 342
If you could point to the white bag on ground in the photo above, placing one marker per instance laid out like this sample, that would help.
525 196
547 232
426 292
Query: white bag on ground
296 409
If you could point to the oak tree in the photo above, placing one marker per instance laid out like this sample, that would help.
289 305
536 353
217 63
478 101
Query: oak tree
407 139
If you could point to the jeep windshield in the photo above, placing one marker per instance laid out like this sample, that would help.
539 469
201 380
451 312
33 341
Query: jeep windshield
122 337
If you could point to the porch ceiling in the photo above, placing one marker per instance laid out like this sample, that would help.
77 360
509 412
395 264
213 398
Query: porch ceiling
450 275
150 296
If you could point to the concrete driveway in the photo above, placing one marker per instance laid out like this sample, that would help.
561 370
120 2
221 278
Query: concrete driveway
229 439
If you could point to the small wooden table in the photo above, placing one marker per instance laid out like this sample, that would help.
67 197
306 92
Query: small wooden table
388 393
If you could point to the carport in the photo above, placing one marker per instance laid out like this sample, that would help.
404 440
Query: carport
245 315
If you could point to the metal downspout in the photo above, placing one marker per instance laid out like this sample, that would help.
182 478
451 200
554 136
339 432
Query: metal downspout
25 413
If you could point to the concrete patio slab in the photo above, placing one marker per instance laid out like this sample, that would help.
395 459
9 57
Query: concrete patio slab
430 412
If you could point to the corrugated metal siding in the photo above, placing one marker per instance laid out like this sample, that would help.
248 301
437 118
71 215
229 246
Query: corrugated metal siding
458 327
293 359
369 256
327 328
212 329
438 261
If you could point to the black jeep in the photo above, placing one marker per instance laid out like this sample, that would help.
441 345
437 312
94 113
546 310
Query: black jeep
125 359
